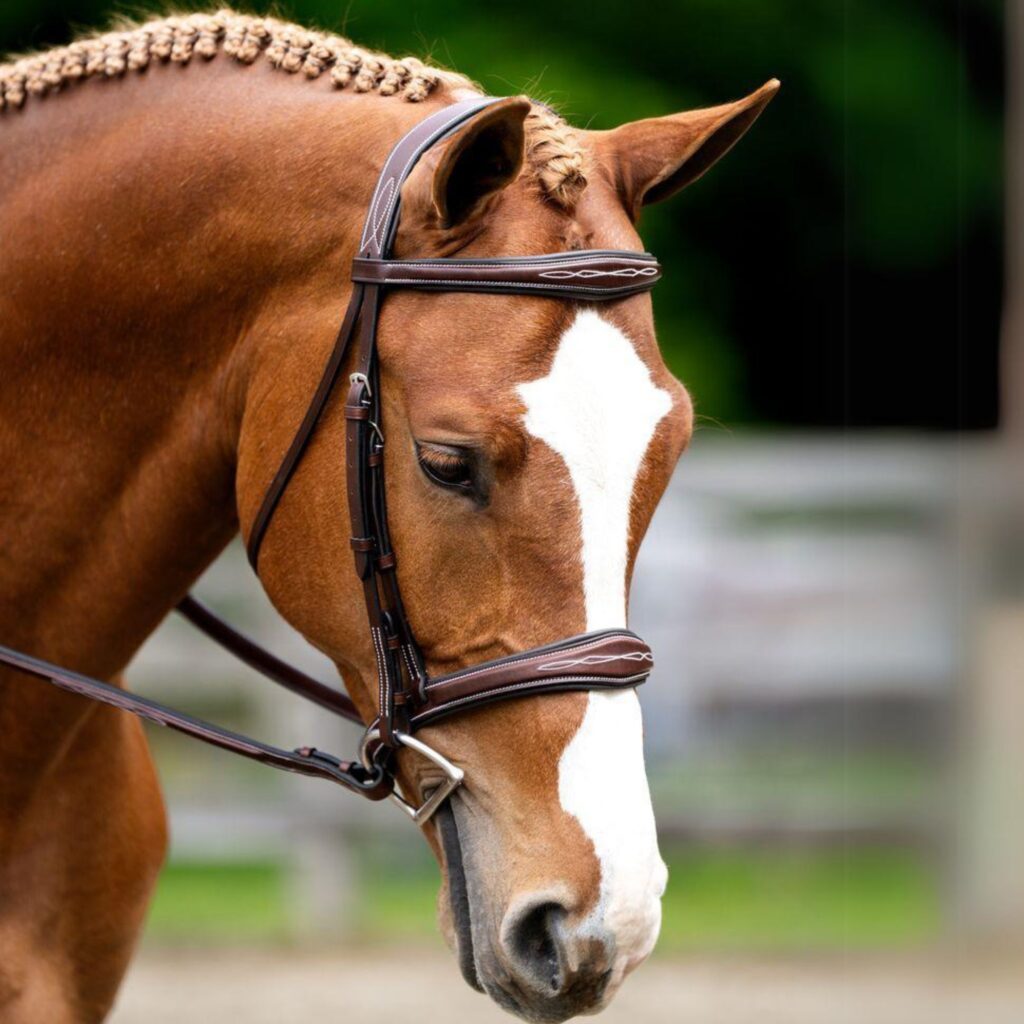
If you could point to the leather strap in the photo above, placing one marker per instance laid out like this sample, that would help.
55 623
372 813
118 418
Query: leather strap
400 672
608 659
297 448
382 215
591 275
265 663
304 760
378 234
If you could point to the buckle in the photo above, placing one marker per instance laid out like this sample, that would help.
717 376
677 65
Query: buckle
453 774
362 380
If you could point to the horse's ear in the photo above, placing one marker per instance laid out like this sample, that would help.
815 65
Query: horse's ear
454 178
653 159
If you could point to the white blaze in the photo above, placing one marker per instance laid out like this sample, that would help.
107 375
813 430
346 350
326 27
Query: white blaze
598 408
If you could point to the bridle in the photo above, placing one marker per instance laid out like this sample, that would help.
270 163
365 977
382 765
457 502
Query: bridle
408 698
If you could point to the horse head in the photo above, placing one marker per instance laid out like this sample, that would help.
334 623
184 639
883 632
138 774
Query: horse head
529 440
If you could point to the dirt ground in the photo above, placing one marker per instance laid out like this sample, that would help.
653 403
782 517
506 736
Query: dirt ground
275 987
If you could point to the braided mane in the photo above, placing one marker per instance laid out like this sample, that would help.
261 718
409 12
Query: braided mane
552 149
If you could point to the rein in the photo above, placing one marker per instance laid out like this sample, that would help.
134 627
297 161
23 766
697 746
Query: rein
408 698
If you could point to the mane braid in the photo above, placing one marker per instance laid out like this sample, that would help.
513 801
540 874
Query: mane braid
241 36
552 149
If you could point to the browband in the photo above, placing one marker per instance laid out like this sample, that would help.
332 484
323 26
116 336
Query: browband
590 275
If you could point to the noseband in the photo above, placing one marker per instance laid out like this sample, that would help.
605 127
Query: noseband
408 698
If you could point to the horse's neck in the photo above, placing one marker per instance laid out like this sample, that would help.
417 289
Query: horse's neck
195 221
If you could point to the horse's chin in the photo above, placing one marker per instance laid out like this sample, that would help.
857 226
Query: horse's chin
461 938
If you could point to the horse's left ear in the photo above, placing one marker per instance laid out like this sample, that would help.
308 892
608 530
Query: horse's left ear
455 177
651 160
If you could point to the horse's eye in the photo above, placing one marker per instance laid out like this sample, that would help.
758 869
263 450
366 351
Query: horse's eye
446 466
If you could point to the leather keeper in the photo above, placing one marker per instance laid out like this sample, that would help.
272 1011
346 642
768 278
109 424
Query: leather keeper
387 561
362 548
357 412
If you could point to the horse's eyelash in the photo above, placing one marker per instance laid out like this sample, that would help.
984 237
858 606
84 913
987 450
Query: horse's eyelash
443 460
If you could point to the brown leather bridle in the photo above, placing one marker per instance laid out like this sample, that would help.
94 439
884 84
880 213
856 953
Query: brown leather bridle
408 698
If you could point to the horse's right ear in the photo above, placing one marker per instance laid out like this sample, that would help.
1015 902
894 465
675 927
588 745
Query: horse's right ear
454 178
651 160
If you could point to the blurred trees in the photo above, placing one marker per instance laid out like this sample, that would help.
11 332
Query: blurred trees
843 265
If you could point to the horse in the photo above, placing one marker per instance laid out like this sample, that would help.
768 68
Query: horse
177 201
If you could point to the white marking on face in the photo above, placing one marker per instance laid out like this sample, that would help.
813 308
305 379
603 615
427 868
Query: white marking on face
598 408
602 782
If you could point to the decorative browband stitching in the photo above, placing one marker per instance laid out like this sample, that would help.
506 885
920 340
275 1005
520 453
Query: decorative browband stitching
591 274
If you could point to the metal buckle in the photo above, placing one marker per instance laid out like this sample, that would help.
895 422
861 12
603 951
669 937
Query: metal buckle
453 774
361 378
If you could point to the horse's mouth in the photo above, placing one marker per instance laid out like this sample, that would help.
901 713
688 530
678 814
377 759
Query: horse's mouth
458 893
545 975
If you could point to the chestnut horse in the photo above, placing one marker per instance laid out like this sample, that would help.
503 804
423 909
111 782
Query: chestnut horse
176 216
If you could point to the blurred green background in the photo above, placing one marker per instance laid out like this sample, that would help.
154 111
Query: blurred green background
843 266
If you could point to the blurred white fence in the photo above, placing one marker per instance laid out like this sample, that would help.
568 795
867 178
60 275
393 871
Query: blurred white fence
777 571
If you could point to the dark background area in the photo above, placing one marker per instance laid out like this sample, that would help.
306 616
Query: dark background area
842 267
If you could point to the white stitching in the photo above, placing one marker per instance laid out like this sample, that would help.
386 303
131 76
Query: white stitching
413 674
529 656
519 659
373 222
382 668
596 659
622 272
450 120
525 264
513 285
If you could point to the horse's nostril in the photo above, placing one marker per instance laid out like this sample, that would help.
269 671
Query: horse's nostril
533 941
551 969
